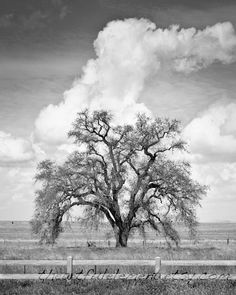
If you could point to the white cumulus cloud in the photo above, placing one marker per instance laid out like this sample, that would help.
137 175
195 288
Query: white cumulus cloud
212 135
14 149
130 54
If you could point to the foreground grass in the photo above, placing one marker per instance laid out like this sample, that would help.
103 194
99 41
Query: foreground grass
117 287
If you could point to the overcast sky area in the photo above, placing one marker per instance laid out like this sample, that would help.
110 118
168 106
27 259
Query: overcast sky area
167 58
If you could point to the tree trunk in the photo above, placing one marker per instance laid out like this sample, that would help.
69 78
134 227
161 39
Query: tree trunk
121 237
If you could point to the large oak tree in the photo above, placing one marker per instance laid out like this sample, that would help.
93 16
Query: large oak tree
124 174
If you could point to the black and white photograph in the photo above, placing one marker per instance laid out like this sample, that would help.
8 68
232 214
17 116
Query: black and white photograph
117 147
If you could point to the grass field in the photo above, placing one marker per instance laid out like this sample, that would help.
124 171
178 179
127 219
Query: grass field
118 287
20 230
17 242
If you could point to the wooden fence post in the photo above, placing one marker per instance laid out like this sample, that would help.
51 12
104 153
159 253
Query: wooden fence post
157 264
70 265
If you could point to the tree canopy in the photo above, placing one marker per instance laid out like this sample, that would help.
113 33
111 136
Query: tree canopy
123 174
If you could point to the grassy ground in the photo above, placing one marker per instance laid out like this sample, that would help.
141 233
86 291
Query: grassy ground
197 251
17 243
118 287
192 252
74 232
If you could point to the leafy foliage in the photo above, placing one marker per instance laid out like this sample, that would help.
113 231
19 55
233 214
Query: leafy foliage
125 175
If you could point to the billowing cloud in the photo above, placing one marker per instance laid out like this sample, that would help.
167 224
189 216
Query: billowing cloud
14 149
212 143
130 54
17 192
220 202
212 135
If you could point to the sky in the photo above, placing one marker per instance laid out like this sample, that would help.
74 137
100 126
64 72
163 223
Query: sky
167 58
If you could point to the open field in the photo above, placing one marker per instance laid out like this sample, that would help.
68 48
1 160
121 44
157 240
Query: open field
20 230
16 242
195 252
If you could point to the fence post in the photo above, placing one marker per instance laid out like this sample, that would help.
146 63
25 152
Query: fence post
69 265
157 264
